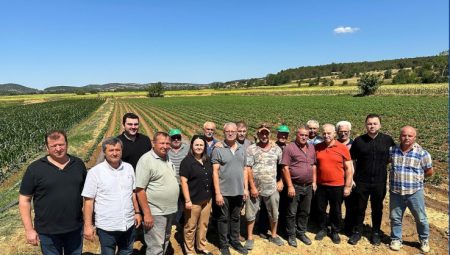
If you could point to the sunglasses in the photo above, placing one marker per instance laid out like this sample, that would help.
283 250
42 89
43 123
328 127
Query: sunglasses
176 137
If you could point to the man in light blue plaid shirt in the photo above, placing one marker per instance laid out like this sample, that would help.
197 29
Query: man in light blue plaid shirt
410 164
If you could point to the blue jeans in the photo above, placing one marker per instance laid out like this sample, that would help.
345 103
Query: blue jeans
416 204
70 243
122 239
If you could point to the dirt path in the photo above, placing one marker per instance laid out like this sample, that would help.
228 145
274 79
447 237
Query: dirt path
109 132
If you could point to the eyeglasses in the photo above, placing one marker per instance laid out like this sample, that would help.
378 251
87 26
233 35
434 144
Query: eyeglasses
230 131
176 137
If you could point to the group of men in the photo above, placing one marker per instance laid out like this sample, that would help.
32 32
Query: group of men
137 186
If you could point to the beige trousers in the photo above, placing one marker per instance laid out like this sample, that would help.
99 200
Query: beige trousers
196 225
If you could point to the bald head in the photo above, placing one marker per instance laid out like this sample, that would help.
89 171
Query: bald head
408 129
407 137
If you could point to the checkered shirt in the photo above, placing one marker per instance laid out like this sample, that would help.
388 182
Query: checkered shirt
407 169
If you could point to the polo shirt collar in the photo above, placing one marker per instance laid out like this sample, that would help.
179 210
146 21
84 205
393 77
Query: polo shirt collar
152 152
298 144
71 160
225 145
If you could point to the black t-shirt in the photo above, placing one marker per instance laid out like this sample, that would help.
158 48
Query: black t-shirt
371 156
56 195
199 178
133 150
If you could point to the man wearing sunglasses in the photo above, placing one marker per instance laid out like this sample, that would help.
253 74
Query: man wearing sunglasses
178 151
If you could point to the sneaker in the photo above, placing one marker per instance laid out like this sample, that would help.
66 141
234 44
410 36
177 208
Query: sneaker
424 245
276 240
225 251
292 241
321 234
249 244
239 248
353 240
335 238
395 245
304 239
376 239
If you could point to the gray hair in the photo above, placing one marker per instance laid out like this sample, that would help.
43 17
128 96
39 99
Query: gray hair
209 123
328 125
111 141
343 123
312 122
232 124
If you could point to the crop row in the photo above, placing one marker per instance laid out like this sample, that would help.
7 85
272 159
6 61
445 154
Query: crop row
427 113
24 127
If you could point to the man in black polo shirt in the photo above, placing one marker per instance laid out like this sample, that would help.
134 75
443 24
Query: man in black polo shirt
370 152
135 144
54 182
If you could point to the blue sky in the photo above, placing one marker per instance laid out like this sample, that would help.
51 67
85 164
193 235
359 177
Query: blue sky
75 43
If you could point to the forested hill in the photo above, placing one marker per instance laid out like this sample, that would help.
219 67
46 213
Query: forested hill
437 65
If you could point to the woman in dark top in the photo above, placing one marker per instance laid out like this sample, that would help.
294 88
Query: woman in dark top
196 184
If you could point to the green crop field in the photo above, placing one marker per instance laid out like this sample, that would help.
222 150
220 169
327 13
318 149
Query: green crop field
23 128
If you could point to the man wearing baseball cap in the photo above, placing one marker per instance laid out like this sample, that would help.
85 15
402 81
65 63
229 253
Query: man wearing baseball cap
261 165
178 151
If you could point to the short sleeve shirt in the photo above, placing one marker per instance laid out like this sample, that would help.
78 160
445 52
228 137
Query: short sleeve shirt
112 191
157 177
56 194
133 150
330 163
408 169
264 167
177 157
300 162
231 169
199 178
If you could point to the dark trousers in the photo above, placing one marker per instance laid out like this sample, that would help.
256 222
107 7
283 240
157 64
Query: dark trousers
228 220
350 212
70 243
123 240
298 208
334 196
377 193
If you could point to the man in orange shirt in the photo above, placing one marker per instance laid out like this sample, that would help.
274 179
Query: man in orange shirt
334 181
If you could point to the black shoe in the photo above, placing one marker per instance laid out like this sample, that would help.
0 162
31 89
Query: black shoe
335 238
292 241
225 251
321 234
304 239
376 239
354 238
239 248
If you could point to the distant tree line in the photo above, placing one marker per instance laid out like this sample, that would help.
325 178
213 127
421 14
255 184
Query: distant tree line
431 69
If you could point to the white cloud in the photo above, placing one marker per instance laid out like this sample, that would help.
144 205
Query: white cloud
345 30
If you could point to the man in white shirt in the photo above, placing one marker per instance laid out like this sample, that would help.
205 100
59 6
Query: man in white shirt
109 188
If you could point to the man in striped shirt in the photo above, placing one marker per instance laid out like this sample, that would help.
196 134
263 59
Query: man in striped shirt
410 165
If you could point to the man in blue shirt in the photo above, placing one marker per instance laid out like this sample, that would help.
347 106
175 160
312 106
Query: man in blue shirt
410 164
